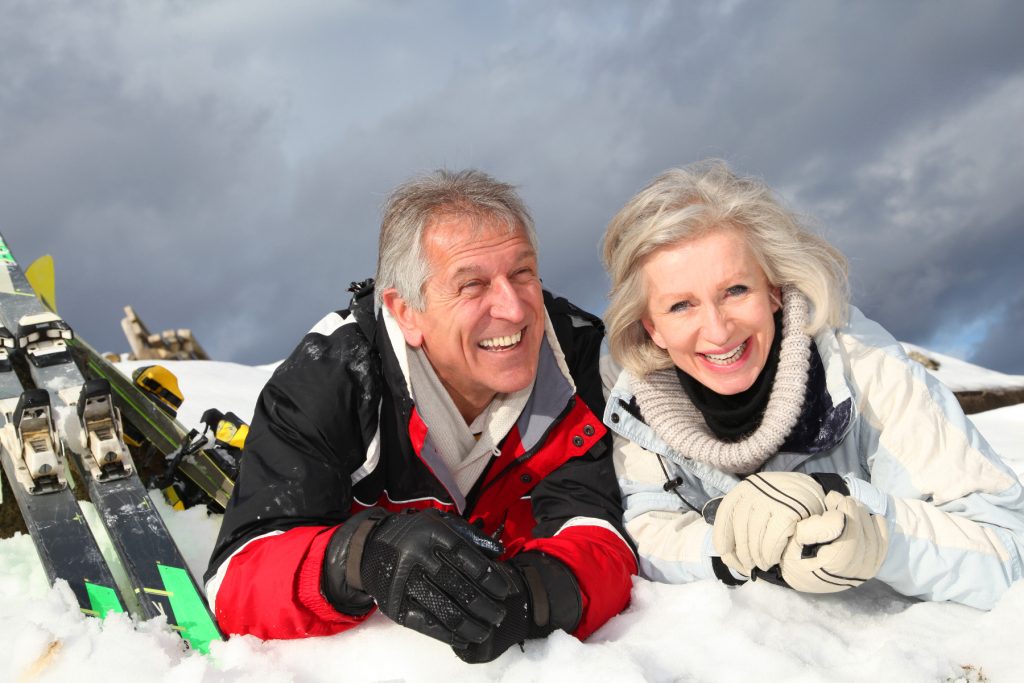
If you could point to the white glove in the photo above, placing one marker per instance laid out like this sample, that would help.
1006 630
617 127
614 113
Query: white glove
841 548
758 517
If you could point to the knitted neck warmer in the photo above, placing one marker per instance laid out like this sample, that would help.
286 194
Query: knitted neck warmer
674 418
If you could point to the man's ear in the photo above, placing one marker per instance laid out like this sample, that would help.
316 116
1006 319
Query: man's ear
405 315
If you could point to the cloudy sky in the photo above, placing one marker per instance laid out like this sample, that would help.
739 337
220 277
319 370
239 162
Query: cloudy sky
220 165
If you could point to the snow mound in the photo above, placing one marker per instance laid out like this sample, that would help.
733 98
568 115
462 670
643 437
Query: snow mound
702 631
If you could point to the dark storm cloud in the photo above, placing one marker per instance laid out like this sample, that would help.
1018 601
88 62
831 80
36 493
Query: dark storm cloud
236 155
1002 345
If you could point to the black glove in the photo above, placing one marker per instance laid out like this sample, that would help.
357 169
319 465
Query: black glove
430 571
333 579
435 573
545 597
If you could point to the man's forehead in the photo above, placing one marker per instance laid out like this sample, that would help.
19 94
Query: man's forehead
453 234
452 255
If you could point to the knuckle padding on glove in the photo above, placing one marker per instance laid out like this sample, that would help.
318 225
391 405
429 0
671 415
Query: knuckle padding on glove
428 573
804 511
439 604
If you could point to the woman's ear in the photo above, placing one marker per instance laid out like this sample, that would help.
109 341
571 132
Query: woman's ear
653 333
776 298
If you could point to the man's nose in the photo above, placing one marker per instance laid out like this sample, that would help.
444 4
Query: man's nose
505 301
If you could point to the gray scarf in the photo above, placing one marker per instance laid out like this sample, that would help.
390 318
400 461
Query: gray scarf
674 418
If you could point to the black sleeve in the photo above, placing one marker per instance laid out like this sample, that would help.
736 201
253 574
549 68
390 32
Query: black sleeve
309 432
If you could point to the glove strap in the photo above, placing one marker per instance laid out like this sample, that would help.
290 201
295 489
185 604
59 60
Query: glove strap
353 576
773 575
722 572
541 604
337 583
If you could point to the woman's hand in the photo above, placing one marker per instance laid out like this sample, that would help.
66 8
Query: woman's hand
841 548
757 519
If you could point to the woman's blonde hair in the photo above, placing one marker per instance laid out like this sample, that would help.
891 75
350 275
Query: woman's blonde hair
686 203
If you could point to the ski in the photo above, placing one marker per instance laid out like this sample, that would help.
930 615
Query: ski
168 436
88 426
203 467
33 461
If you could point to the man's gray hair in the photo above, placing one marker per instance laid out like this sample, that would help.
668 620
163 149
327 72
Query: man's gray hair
414 206
687 203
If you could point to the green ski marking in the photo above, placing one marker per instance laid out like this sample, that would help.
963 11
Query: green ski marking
6 257
189 608
103 600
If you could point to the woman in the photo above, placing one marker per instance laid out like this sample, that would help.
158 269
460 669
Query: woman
740 376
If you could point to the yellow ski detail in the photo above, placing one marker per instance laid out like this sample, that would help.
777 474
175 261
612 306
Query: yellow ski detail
40 276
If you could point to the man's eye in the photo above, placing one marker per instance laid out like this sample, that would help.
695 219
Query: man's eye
736 290
523 275
471 286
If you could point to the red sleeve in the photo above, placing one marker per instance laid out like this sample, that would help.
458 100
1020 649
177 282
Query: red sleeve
271 588
602 564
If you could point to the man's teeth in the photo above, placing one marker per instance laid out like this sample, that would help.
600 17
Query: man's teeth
502 342
726 358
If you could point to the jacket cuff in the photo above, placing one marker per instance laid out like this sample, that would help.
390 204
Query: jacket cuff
310 576
874 499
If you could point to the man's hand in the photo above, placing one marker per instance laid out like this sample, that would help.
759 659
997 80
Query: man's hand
435 573
838 549
545 597
756 520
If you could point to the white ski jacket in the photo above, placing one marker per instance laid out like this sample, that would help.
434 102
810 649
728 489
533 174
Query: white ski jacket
955 511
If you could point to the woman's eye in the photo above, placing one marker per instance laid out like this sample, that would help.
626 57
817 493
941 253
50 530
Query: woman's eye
679 307
736 290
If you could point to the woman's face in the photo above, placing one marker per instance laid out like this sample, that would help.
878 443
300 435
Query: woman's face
710 306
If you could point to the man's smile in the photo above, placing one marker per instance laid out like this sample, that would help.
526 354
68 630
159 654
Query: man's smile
502 343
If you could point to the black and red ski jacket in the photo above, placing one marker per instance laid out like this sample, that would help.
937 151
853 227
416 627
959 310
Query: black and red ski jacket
335 431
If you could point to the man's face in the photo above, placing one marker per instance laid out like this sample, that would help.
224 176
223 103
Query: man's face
483 321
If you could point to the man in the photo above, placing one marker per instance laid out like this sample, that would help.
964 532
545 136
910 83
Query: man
435 449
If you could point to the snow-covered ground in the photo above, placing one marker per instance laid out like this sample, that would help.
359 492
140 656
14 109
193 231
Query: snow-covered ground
697 632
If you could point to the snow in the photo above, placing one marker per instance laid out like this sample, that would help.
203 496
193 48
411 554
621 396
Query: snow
697 632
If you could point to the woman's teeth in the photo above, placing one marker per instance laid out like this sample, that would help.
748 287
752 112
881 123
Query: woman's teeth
502 342
726 358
